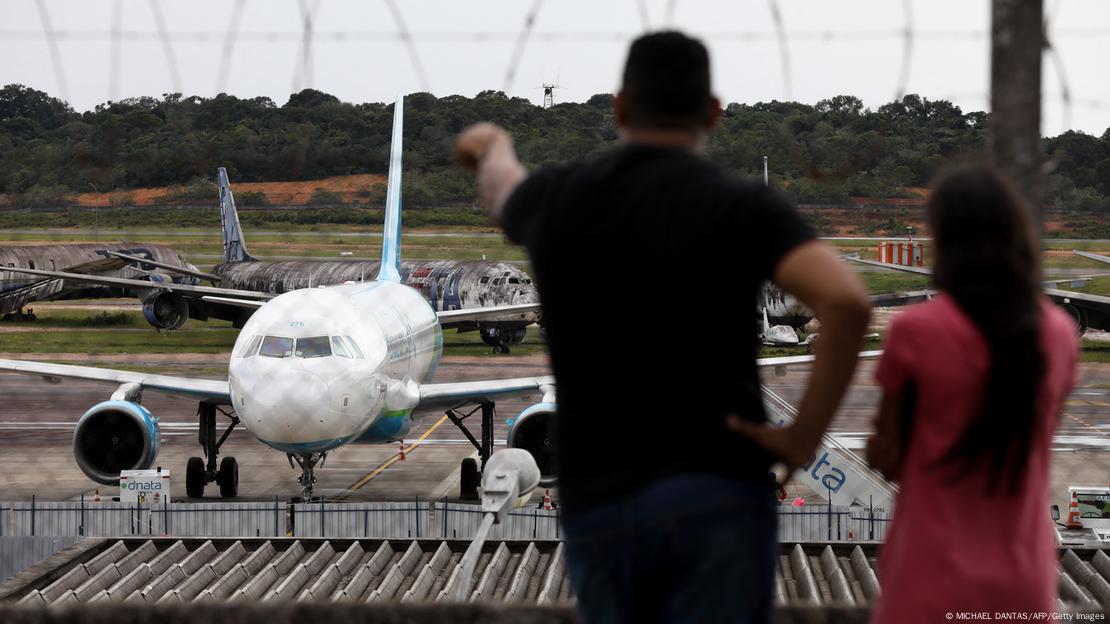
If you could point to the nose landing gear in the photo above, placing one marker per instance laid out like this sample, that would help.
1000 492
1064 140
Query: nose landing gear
307 462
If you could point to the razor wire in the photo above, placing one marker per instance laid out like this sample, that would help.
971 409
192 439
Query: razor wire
309 37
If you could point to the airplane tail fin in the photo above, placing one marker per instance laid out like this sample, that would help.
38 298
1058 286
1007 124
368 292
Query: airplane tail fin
766 323
391 234
235 248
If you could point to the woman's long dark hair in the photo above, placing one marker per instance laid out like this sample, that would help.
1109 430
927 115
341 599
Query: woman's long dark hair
988 261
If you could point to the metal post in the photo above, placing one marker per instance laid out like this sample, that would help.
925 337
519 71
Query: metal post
322 517
765 180
81 528
871 518
1017 45
276 528
446 510
828 524
167 525
32 515
418 517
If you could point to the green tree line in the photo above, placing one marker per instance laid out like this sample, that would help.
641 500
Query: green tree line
820 153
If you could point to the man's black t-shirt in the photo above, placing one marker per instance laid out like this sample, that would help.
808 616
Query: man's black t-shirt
648 262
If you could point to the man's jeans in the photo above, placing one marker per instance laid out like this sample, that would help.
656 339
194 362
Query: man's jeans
689 548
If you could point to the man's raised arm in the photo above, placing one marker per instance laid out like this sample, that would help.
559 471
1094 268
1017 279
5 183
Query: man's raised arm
487 150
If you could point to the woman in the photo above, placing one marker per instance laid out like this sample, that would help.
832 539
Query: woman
973 383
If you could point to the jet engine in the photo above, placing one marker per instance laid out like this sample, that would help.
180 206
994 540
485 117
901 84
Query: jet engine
166 310
114 436
534 431
1078 315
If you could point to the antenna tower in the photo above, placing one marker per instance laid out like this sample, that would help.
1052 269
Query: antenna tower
549 89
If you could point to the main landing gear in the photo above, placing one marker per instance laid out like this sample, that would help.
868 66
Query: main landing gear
20 315
198 472
307 462
470 477
501 338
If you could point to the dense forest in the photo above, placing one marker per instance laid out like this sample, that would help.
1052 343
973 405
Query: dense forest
821 154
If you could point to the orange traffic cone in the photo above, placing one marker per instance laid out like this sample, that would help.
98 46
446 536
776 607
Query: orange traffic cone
547 500
402 454
1073 513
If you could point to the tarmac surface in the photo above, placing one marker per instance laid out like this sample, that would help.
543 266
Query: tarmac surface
37 418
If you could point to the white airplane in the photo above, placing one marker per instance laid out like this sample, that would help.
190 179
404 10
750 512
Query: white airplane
778 335
313 370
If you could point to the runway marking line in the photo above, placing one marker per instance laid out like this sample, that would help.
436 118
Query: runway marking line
396 457
1083 422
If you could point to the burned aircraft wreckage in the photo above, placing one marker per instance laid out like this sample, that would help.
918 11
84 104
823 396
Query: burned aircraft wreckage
446 284
138 261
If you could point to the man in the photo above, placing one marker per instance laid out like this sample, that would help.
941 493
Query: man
648 261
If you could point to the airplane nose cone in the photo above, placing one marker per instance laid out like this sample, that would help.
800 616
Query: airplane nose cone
296 393
289 405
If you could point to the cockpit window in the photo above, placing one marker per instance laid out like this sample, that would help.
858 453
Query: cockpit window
338 347
276 347
513 280
317 346
354 347
251 347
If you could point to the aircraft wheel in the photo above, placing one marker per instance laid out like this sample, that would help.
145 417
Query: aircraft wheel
228 477
194 478
469 479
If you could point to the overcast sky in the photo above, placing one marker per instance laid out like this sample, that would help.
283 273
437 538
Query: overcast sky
853 47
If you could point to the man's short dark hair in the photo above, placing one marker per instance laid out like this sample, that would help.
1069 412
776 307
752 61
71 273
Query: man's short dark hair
666 81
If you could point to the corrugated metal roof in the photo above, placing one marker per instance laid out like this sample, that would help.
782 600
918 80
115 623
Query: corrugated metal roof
173 571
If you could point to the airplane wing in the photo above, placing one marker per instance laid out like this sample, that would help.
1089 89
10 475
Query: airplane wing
1091 256
787 360
1074 282
461 391
1094 302
211 389
144 285
496 313
168 267
239 303
904 298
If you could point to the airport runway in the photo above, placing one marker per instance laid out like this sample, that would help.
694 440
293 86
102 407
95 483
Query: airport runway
36 422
